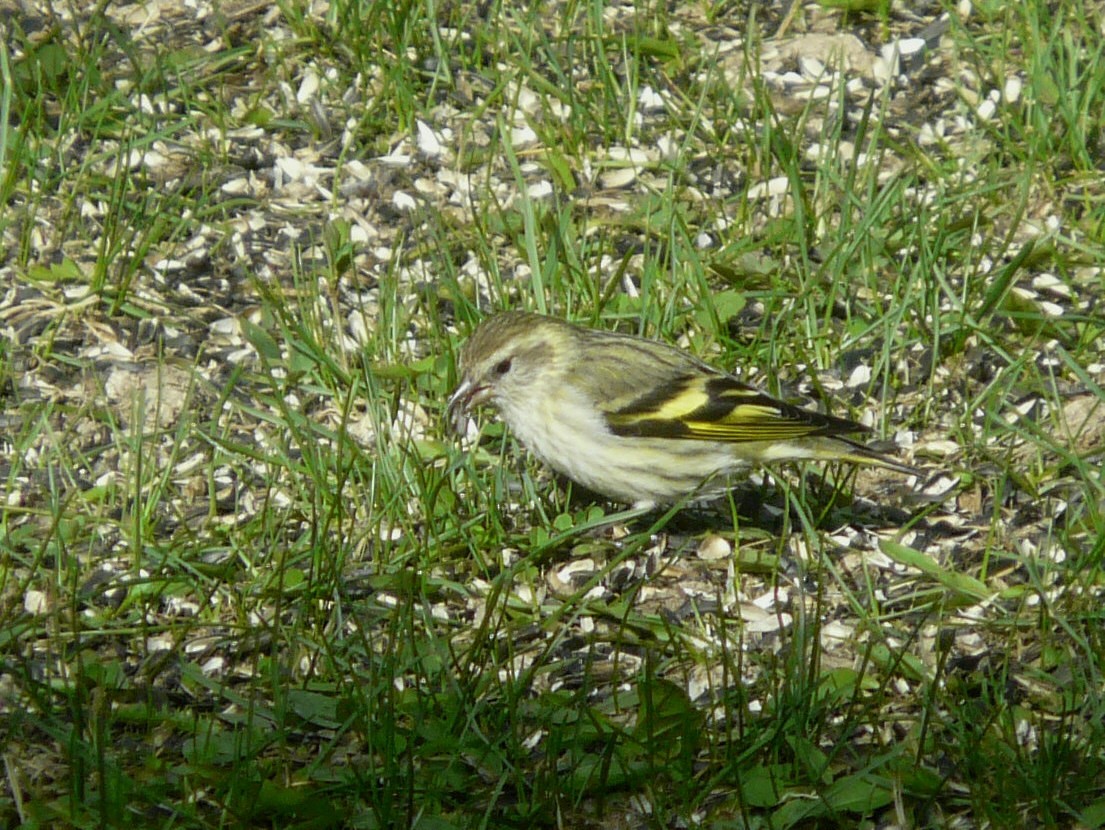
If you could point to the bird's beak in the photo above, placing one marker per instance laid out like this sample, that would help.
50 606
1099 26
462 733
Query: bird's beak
462 398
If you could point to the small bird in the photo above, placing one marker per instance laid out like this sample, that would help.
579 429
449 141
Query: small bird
636 420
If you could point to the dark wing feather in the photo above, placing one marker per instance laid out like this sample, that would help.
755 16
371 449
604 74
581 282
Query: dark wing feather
721 408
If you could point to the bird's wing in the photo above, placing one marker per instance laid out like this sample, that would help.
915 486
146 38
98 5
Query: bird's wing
720 408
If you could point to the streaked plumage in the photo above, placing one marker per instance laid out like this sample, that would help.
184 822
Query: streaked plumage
634 419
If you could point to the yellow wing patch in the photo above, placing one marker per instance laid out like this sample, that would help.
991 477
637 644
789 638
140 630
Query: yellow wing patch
720 408
751 422
678 407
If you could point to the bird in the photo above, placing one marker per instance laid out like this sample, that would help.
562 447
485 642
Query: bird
638 421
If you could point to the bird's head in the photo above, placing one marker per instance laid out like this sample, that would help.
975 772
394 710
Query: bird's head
507 358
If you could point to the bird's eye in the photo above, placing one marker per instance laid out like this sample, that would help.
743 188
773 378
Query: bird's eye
502 367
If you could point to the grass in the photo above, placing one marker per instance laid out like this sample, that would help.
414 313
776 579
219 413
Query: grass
247 579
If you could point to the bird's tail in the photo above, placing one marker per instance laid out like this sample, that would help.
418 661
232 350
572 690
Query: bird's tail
845 449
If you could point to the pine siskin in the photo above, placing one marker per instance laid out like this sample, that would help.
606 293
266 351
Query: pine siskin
633 419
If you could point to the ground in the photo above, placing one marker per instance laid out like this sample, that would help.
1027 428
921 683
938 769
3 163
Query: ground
248 577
